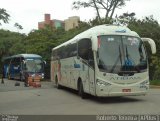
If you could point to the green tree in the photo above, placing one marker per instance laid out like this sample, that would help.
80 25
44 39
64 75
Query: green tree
109 6
10 43
4 16
18 26
155 68
125 18
8 40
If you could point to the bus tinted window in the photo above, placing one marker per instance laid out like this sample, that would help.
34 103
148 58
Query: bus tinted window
71 49
84 48
63 52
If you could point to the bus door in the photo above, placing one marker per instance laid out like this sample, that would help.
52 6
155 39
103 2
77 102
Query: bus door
91 72
17 68
72 54
86 53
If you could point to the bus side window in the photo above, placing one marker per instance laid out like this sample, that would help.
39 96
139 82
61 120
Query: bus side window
54 55
72 50
84 49
91 58
17 62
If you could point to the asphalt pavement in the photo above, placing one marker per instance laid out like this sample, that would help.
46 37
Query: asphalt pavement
48 100
10 85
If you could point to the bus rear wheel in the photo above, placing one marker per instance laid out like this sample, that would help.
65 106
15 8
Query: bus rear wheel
81 90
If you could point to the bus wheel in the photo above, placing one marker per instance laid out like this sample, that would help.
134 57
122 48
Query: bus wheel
81 90
57 84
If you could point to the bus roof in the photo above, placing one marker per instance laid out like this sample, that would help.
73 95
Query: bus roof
27 55
101 30
24 55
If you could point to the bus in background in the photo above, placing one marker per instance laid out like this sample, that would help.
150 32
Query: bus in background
17 66
106 60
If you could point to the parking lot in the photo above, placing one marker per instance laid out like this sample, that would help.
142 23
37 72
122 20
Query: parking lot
47 100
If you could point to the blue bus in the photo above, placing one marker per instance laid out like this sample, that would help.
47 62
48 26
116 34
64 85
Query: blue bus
17 66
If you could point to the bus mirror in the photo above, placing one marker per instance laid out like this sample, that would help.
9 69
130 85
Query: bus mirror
151 43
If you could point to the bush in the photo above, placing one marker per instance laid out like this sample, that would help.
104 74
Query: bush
155 82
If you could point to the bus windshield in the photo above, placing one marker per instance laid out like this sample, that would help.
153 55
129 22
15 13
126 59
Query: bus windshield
34 65
120 54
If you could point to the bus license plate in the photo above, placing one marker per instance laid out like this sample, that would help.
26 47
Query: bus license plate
126 90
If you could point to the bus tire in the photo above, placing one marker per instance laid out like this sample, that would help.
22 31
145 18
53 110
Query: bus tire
81 90
58 86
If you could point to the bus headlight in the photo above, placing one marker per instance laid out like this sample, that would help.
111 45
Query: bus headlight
42 75
102 83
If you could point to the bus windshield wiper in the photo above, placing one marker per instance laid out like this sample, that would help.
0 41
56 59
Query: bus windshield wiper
120 54
131 61
127 55
119 57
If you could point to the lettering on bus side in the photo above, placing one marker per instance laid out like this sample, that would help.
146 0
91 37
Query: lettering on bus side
125 78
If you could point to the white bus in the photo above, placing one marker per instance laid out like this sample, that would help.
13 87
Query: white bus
106 60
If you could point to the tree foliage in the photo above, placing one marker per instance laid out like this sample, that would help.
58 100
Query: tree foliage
18 26
109 6
10 43
4 16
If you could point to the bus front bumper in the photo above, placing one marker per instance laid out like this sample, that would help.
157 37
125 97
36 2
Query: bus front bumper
109 91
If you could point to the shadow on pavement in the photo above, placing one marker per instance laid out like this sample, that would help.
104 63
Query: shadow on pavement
121 99
102 100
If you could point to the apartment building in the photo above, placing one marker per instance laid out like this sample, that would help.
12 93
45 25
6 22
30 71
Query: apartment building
72 22
47 21
67 24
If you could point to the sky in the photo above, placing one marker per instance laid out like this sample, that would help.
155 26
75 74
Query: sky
28 13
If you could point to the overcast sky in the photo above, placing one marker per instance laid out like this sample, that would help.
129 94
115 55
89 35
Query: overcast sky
29 12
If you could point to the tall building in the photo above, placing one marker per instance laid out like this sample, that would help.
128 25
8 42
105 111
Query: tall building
72 22
53 23
67 24
58 23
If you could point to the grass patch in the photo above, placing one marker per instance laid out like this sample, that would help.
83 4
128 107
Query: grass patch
155 82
